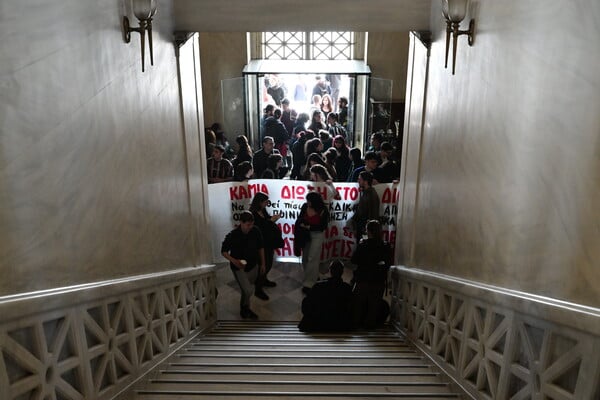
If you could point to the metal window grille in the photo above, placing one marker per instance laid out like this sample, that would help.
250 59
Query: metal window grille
308 45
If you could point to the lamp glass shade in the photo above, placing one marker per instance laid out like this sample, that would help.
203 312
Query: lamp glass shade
445 9
142 9
153 8
457 10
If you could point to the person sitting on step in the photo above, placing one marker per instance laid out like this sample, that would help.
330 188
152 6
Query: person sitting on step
327 305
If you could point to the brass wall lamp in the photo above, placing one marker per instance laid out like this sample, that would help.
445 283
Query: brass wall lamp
454 12
144 10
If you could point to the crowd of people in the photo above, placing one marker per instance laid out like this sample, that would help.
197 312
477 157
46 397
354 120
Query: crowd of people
291 144
330 304
313 147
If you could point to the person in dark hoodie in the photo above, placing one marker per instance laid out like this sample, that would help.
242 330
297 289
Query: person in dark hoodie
373 257
327 306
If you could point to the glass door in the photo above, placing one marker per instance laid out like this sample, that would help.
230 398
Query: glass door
380 109
234 108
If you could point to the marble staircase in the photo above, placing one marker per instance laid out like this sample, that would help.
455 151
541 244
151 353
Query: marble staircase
273 360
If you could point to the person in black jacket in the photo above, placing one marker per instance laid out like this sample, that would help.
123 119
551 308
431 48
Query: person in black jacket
260 160
243 247
328 304
373 258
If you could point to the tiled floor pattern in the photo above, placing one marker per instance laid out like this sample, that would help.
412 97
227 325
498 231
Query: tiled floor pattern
285 299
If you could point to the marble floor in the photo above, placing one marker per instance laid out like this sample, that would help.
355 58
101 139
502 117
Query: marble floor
285 299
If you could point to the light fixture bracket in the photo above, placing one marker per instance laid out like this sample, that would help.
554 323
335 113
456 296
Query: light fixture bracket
145 26
456 32
469 32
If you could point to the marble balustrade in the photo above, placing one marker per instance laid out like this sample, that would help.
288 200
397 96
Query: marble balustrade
498 343
92 341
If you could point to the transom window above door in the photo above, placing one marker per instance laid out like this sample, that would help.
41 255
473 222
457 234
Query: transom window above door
308 45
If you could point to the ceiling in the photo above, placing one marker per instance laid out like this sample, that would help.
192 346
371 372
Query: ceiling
305 15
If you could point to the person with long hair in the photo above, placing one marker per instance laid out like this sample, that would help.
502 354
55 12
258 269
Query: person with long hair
357 160
312 159
373 257
326 105
313 145
316 122
244 151
318 173
299 126
330 156
343 162
314 218
268 228
298 153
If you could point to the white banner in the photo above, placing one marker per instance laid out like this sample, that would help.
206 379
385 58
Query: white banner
286 197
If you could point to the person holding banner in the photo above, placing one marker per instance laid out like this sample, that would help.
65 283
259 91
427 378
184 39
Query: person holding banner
244 248
318 173
272 240
368 204
313 217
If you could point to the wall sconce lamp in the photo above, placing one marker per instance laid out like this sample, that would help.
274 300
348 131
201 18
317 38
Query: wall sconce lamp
454 12
144 11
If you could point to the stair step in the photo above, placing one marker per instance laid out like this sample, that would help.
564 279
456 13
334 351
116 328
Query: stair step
329 352
281 376
266 360
409 368
231 395
300 387
325 350
260 359
286 346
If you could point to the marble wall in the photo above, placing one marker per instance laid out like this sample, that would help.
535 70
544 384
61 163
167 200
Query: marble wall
93 177
224 55
509 184
387 55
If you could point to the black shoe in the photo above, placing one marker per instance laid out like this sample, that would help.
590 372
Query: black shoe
269 283
247 313
261 295
305 289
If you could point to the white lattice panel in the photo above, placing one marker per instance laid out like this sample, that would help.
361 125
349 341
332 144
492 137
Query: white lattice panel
495 352
94 350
